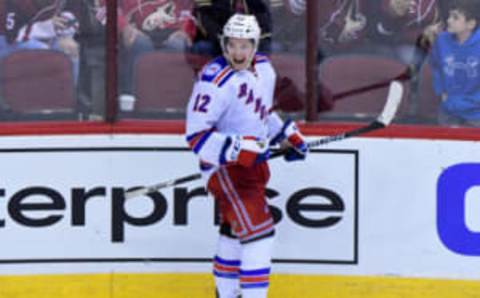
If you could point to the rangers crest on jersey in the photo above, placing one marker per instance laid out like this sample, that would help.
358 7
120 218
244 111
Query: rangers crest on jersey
217 72
212 69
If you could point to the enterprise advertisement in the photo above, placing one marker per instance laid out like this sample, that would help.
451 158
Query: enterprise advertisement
362 206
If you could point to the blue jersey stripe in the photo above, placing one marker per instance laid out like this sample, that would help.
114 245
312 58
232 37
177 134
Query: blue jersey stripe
203 139
193 135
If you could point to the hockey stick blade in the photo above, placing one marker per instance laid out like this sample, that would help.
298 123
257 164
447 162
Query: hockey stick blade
395 94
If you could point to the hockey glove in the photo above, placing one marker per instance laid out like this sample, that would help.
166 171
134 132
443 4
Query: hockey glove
297 148
246 151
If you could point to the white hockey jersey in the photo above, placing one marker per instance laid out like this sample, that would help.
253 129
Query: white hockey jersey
226 102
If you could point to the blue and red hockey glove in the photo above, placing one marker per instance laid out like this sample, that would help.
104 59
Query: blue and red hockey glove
297 148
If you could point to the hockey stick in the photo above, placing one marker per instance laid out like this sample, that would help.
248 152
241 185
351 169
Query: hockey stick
136 192
394 97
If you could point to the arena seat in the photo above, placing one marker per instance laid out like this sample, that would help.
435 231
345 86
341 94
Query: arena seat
162 83
358 84
37 84
291 82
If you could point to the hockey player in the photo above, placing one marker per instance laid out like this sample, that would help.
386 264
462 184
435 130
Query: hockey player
230 127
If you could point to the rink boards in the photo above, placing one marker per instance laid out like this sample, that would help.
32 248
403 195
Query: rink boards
366 217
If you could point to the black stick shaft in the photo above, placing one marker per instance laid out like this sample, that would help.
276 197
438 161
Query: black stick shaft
359 131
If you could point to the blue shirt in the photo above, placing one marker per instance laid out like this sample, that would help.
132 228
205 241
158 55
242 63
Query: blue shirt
456 72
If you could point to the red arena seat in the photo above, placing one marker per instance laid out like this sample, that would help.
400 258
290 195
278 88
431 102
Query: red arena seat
163 82
37 83
291 82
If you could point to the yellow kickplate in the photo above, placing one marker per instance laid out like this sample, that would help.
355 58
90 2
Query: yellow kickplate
201 286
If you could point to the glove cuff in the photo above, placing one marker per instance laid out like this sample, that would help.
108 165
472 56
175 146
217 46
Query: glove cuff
245 151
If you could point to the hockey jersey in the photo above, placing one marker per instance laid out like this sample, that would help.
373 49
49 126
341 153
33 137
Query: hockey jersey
226 102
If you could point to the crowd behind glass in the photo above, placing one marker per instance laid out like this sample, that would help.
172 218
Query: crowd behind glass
49 47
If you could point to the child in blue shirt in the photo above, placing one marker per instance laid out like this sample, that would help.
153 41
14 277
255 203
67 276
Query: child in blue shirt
455 62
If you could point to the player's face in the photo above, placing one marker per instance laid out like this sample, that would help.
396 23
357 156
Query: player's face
240 52
458 24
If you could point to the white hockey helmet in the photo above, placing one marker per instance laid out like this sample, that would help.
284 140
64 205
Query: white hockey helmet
241 26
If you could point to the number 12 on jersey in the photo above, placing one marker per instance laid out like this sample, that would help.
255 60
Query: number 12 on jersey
201 103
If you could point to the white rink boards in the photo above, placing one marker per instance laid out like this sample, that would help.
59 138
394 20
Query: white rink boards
361 207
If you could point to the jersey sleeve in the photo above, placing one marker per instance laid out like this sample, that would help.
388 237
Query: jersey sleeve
206 106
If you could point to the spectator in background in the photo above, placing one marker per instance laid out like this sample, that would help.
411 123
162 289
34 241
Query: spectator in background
455 61
358 25
132 44
167 23
288 40
342 23
149 25
91 38
400 29
342 29
211 16
40 24
405 29
288 28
